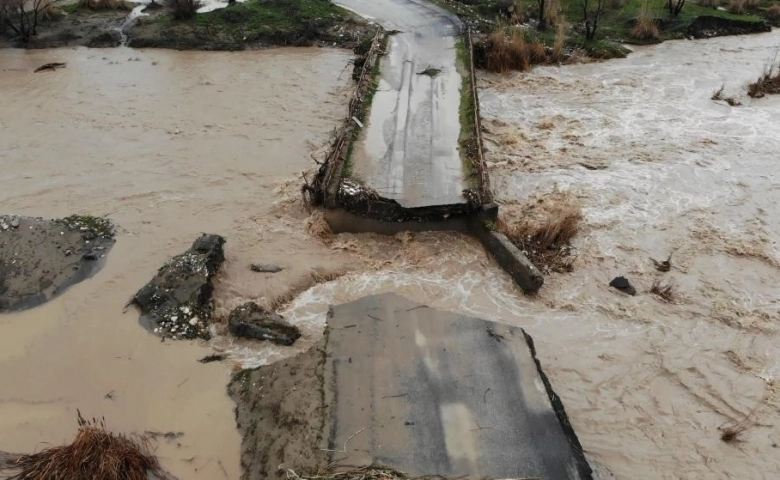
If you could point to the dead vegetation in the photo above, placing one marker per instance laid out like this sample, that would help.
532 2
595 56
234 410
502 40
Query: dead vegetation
105 5
360 473
773 12
645 27
718 95
503 51
767 84
736 7
665 291
731 432
663 265
94 453
546 231
314 278
709 3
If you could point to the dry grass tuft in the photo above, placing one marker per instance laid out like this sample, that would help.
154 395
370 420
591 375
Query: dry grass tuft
732 432
545 237
709 3
314 278
667 292
94 453
560 40
105 5
736 7
767 84
718 95
513 52
645 28
360 473
773 12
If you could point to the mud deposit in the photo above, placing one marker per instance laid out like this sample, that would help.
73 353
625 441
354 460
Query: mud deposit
40 259
168 145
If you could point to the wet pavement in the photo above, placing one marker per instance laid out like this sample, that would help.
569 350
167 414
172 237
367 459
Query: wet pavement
408 151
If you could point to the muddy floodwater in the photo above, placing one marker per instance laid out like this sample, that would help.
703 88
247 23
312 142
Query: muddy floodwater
175 144
168 145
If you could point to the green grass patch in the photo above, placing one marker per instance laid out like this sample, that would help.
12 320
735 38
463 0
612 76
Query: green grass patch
467 141
349 162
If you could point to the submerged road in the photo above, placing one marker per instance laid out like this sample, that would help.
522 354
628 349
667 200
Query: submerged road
409 149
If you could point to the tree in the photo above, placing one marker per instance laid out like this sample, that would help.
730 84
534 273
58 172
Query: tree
542 14
591 16
22 16
675 6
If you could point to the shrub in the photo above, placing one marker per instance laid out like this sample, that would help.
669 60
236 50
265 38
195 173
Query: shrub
560 40
183 9
736 6
105 5
709 3
645 28
773 12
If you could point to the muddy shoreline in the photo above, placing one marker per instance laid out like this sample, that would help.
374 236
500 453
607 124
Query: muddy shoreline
40 259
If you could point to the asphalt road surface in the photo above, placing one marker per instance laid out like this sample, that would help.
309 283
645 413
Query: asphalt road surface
409 150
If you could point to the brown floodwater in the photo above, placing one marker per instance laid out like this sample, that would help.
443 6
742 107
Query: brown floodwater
189 145
168 145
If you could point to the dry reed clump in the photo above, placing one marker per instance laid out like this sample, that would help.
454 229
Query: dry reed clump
709 3
105 5
645 28
512 52
546 231
360 473
773 12
665 291
314 278
95 453
767 84
736 6
560 40
718 95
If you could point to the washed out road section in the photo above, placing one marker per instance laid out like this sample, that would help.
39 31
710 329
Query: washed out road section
408 151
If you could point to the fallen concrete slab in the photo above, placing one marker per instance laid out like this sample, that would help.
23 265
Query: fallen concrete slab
411 388
430 392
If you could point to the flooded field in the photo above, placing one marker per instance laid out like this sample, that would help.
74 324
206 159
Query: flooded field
168 145
175 144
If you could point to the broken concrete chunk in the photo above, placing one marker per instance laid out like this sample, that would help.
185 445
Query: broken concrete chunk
622 284
176 303
253 321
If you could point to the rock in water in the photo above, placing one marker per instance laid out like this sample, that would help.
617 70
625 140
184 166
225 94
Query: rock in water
622 284
253 321
181 291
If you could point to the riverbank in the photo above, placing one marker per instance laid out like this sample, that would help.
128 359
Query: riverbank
238 26
616 26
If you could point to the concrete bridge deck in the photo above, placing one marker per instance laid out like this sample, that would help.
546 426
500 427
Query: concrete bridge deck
408 151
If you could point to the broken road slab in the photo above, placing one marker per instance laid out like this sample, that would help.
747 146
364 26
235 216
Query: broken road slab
414 389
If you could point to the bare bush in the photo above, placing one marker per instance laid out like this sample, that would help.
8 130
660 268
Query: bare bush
675 6
23 16
666 291
773 12
514 52
736 6
183 9
553 11
560 40
591 14
546 238
645 28
709 3
105 5
719 95
768 83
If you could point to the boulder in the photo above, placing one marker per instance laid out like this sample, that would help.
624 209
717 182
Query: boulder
250 320
622 284
176 303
